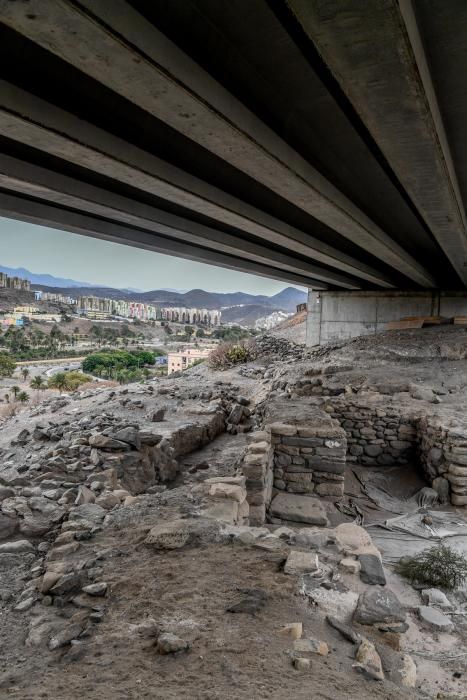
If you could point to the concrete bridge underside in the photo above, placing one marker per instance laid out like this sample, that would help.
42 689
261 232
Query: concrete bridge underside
317 142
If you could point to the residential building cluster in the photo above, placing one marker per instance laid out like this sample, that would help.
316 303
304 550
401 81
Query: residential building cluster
7 282
39 295
183 315
101 308
30 313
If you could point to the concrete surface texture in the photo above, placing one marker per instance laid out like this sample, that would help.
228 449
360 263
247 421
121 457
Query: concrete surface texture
337 315
290 152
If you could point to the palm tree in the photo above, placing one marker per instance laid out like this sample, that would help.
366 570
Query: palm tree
37 383
15 389
58 381
23 396
25 373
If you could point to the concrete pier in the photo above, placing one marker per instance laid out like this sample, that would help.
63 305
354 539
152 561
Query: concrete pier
339 315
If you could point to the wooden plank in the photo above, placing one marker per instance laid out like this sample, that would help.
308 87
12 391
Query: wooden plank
404 323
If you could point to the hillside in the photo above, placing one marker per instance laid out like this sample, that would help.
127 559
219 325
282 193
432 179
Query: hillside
237 307
286 300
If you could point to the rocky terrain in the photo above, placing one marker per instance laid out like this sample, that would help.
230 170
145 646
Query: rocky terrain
130 567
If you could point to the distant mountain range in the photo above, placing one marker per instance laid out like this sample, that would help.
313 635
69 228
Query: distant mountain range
286 300
238 307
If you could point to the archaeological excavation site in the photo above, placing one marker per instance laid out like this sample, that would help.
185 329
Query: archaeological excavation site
243 532
233 457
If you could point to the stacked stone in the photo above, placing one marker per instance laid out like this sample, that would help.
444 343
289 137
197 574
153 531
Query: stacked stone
309 459
280 348
376 436
258 469
228 499
443 453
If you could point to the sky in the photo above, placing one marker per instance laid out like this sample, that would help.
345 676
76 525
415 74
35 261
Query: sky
62 254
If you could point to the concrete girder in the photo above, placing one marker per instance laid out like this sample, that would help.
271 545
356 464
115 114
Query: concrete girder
116 46
384 73
33 181
29 120
15 207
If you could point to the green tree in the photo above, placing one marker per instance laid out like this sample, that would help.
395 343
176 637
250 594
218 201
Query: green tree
7 365
58 381
68 381
37 383
15 389
23 396
25 373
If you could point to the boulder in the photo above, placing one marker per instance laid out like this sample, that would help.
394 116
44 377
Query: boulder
435 619
96 589
293 630
129 435
379 605
369 661
311 646
371 570
231 491
65 635
8 526
434 597
349 565
301 563
109 444
17 547
441 486
168 643
296 508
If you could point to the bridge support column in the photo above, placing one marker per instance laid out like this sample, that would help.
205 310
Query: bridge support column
313 318
339 315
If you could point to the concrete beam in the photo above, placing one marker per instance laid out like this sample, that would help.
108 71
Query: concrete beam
33 181
384 72
14 207
29 120
116 46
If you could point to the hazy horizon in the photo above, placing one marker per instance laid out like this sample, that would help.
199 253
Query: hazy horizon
44 250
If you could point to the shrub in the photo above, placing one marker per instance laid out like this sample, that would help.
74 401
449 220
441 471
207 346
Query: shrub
7 365
441 566
227 354
68 381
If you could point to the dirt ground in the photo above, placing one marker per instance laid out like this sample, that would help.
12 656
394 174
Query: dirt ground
188 591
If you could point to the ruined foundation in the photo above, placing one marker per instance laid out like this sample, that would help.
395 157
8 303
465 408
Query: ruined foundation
303 455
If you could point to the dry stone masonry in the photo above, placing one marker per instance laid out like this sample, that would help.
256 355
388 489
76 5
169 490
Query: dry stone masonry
303 456
376 434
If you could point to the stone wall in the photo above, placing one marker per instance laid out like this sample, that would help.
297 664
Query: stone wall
302 457
443 455
309 459
376 435
258 468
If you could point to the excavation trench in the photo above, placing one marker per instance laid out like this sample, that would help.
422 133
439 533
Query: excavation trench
305 452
